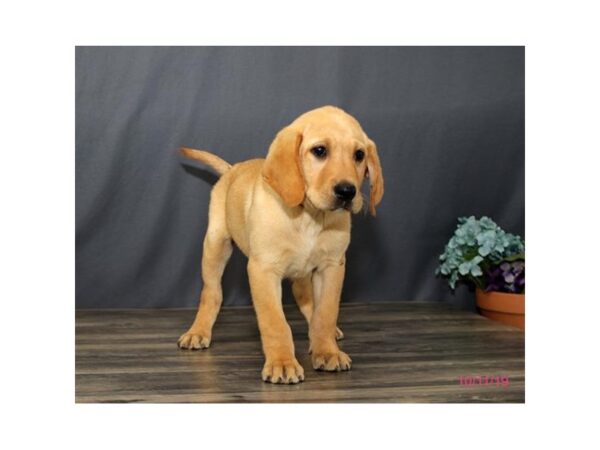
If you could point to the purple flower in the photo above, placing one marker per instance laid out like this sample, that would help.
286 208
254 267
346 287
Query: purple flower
506 277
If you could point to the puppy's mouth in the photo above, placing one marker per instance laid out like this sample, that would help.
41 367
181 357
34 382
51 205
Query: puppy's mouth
342 204
330 204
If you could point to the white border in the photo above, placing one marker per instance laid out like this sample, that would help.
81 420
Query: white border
38 41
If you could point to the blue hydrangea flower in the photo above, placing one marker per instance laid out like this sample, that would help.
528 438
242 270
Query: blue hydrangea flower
477 246
471 267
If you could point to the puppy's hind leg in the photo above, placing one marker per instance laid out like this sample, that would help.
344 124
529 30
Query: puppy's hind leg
302 289
216 253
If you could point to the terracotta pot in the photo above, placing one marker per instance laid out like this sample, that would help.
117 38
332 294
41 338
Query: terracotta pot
502 307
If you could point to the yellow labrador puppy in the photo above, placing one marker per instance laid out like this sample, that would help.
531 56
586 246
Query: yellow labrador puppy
290 215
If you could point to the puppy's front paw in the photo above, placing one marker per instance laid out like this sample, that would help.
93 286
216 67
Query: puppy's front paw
331 362
279 371
193 341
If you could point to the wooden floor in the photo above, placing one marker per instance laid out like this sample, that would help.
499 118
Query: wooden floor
401 352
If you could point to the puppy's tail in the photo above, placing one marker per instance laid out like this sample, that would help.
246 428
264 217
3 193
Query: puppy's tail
220 165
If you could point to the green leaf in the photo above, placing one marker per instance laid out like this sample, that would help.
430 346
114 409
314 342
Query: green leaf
516 257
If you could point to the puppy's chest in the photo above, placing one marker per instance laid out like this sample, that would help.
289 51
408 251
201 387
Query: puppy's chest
309 246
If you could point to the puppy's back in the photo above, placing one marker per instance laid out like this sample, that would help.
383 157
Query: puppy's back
241 181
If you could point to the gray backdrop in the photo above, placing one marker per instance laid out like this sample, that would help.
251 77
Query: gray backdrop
448 121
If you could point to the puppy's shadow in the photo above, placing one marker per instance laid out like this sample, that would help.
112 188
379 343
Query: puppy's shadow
366 260
207 175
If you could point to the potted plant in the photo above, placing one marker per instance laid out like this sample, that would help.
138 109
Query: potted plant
484 255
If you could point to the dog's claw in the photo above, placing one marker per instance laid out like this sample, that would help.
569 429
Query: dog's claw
331 362
283 372
193 341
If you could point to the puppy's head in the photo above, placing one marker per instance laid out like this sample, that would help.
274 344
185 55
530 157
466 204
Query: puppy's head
322 158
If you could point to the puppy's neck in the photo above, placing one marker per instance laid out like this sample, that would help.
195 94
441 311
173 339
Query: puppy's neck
309 208
319 215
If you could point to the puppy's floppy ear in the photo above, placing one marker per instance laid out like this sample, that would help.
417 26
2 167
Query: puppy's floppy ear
375 176
281 169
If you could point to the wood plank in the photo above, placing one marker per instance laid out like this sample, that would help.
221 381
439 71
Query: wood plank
402 352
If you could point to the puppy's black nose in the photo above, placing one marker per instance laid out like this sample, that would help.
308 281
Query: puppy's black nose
344 191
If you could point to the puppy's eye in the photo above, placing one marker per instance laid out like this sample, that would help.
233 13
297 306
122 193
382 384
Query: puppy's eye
319 151
359 155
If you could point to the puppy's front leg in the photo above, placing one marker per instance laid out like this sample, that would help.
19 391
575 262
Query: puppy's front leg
327 286
281 365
